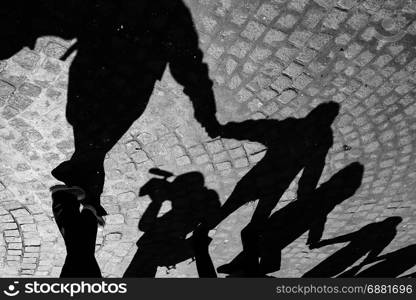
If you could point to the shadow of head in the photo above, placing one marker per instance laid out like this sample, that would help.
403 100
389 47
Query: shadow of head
190 187
191 180
385 228
391 222
323 115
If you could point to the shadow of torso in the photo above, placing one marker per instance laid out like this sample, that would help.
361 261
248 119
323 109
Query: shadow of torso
121 56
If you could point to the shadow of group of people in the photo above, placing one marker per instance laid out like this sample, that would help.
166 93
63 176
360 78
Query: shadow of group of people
123 48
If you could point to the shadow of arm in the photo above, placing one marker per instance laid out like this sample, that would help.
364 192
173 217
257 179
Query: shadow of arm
251 130
150 216
337 240
187 67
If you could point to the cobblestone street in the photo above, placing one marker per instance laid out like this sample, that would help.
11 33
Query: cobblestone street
268 59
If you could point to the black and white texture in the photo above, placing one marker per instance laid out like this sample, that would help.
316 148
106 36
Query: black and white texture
268 59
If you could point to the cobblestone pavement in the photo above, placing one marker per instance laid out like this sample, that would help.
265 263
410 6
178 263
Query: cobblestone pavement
274 59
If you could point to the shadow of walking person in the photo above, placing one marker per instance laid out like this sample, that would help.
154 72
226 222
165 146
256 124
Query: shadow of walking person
122 52
122 49
165 242
292 145
391 265
262 254
367 242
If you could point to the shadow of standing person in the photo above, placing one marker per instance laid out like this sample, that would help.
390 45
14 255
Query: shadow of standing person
165 242
367 242
262 254
121 52
292 145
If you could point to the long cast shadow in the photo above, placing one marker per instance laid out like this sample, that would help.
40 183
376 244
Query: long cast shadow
368 242
122 49
120 57
165 242
292 145
262 255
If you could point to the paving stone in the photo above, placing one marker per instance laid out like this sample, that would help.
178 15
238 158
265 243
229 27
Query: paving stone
6 89
239 49
215 146
253 30
115 219
287 21
299 38
9 112
266 13
313 17
27 59
273 37
30 90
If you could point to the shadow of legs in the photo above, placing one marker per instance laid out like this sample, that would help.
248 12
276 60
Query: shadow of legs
79 230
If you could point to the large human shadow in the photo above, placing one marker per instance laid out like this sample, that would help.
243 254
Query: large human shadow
77 226
165 242
391 265
262 255
122 48
293 145
367 243
200 241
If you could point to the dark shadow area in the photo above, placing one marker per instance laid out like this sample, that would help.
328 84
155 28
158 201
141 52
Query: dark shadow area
78 227
122 49
262 253
165 242
292 145
200 241
391 265
367 242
